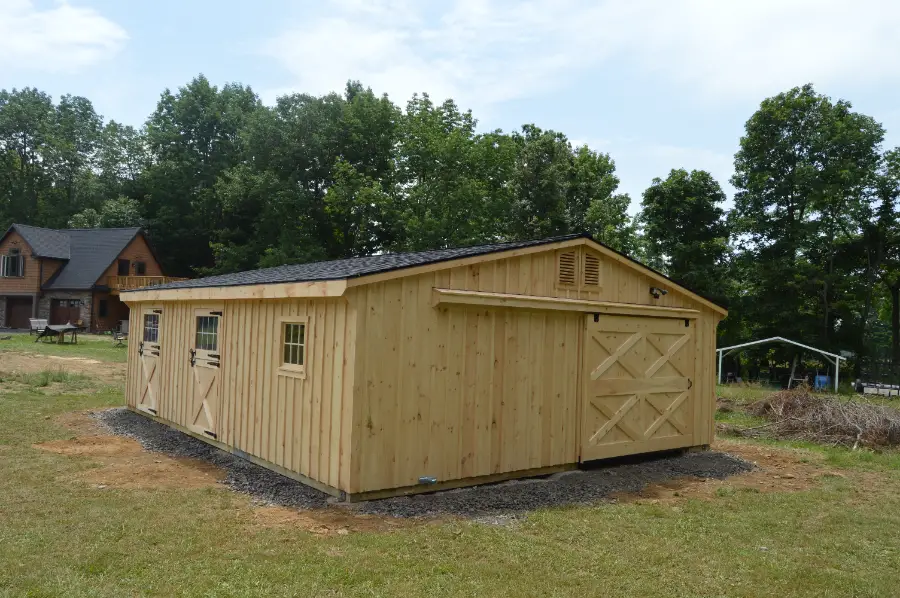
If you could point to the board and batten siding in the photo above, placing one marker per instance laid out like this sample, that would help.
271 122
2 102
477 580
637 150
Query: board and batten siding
300 424
455 392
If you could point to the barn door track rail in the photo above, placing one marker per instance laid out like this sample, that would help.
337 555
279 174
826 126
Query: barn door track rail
446 297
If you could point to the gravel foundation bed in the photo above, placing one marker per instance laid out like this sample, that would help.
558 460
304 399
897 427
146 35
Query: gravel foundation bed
484 502
579 487
240 475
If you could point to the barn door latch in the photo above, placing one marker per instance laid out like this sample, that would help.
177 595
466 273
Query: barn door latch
596 317
193 354
690 384
141 348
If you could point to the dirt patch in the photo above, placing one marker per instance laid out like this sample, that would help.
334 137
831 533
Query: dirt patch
125 464
12 361
79 422
93 446
331 521
776 470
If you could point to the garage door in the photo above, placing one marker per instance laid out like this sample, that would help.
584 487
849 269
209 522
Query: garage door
18 312
639 375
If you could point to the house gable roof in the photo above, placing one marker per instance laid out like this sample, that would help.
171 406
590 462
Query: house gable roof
92 251
44 242
360 267
88 252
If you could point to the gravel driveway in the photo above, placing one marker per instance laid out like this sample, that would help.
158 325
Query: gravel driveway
515 497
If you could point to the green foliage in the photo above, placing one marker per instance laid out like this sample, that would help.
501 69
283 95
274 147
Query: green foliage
685 231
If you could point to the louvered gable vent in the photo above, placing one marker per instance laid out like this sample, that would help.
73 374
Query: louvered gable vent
567 267
591 270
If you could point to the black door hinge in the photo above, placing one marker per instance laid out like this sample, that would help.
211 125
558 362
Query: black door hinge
596 317
210 434
215 313
157 311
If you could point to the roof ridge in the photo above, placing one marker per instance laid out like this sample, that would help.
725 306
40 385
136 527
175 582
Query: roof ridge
65 230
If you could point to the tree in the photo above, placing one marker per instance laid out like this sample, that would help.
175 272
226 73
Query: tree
193 137
121 212
685 230
801 170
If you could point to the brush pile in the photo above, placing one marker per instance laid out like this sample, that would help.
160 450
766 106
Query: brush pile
798 414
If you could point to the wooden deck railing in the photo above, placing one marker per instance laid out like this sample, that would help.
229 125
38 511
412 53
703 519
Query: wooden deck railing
123 283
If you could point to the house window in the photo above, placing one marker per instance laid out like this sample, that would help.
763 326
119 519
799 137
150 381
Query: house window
12 265
207 333
103 308
123 269
140 268
151 328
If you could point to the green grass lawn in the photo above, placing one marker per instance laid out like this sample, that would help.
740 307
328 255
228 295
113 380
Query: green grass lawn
90 346
63 537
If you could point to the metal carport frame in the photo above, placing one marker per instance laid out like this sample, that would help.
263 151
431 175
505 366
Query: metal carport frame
835 359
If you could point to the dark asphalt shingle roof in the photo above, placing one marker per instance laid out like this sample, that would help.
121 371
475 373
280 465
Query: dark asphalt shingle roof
89 251
45 242
351 267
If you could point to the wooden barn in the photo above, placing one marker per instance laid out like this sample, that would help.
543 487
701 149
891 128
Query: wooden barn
401 373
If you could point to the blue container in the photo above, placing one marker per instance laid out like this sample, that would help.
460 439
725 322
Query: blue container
822 382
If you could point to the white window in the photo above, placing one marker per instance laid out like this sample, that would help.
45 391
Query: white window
292 350
207 333
151 328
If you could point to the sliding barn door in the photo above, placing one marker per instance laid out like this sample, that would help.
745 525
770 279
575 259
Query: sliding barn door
638 385
206 388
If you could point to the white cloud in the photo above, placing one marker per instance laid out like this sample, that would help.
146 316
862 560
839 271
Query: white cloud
639 161
62 38
485 52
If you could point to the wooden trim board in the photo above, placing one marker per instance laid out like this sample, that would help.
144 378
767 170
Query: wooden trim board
457 297
460 483
291 290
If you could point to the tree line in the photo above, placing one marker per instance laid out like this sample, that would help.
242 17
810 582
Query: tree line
810 249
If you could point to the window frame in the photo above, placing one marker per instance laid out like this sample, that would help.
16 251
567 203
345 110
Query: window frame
197 333
290 369
151 312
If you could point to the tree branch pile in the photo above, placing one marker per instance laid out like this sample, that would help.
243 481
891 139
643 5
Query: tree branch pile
800 415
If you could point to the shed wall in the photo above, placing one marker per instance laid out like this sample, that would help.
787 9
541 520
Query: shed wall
302 425
464 391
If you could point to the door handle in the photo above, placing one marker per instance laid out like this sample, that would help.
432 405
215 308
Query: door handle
193 354
690 384
141 348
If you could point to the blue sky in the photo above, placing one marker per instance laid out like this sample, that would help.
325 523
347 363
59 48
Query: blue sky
658 84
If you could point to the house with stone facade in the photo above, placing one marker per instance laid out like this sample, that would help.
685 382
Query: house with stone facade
73 275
